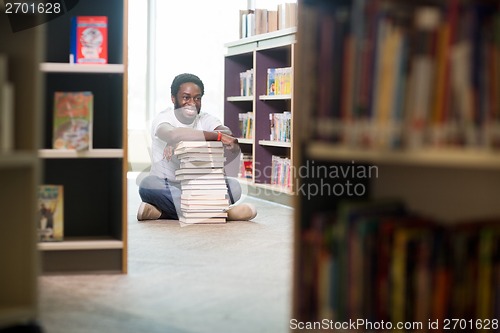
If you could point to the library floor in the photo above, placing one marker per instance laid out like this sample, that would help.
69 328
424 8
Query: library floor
234 277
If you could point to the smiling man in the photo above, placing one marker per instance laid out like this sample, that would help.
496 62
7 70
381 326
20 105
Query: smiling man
159 191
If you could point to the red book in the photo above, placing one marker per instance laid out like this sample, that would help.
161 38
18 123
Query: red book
89 40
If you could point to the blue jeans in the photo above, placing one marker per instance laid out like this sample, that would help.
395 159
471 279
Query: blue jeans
166 196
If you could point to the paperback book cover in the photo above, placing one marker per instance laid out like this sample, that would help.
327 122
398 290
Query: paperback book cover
89 40
51 213
73 120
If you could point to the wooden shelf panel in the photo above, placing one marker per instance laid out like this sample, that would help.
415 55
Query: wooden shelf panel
16 315
245 141
275 143
458 158
92 153
55 67
262 41
275 97
14 160
240 98
87 244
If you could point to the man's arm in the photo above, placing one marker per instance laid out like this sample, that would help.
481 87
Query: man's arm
173 135
224 129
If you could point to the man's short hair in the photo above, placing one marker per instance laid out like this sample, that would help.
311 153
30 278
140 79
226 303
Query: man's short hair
183 78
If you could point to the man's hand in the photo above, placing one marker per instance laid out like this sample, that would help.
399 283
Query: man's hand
230 143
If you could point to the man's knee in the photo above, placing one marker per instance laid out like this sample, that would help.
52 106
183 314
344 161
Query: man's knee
151 183
235 188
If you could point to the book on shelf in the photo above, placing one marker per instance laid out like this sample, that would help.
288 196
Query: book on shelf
333 28
73 113
271 81
246 121
258 21
89 40
281 171
250 24
6 107
397 76
382 261
272 20
246 166
287 15
243 23
280 126
246 82
279 81
50 213
261 21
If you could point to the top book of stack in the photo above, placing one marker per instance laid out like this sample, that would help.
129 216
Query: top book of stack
203 184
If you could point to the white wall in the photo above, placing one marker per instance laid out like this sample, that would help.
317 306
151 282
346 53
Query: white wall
190 37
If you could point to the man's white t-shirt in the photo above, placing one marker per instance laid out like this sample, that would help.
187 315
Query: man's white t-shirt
160 166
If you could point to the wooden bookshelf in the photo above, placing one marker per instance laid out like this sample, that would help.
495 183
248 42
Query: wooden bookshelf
95 190
260 52
447 178
19 173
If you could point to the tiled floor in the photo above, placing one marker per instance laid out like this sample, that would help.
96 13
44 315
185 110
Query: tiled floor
234 277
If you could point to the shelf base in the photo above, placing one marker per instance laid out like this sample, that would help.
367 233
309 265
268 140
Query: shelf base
82 261
267 192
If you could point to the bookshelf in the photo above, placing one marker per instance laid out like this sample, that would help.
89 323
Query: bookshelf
424 152
19 174
95 192
261 52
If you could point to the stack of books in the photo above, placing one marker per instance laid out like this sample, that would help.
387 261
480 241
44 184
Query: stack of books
204 196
